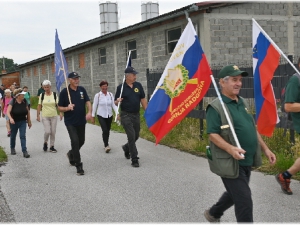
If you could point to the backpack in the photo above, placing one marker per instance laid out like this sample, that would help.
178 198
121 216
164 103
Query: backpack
43 95
285 114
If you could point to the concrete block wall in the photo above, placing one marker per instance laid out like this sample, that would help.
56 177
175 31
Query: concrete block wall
228 30
231 29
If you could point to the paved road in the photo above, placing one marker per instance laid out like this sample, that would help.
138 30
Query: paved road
169 186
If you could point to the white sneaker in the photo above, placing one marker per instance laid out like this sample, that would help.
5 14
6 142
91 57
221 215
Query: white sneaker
107 149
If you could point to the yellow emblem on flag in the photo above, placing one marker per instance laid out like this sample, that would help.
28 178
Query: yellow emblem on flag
176 81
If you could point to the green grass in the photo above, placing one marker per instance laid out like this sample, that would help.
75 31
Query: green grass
3 156
186 137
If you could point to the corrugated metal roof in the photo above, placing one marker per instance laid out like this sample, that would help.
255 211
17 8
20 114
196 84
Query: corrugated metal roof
178 12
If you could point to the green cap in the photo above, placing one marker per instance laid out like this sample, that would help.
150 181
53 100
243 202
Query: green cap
232 71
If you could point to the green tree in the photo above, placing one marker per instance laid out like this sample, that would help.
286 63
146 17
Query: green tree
10 66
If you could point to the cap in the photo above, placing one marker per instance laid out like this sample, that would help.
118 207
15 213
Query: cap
130 69
73 75
18 92
232 71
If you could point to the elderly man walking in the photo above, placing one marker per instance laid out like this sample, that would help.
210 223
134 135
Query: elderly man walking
133 94
222 144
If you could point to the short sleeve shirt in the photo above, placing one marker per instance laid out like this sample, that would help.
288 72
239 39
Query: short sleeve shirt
131 97
19 110
292 95
48 105
40 91
79 98
243 125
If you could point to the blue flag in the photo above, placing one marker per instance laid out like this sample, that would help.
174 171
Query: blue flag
61 67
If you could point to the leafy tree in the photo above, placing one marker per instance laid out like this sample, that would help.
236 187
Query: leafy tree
10 66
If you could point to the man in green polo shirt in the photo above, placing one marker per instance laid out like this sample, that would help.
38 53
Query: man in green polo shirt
292 105
237 192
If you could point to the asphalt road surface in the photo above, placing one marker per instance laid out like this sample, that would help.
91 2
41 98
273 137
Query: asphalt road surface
169 186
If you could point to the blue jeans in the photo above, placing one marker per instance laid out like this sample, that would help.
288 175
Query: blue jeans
21 126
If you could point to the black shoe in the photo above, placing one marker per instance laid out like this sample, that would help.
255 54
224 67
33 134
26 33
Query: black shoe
126 153
13 151
52 149
135 163
26 155
45 148
72 163
80 171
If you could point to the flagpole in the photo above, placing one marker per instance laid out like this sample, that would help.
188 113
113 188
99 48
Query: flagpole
61 58
226 114
122 86
277 48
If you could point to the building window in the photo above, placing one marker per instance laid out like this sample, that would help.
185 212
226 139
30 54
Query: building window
44 69
34 71
81 60
28 72
172 39
102 55
131 45
53 67
67 61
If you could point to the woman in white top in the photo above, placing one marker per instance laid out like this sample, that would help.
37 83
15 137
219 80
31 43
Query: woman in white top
104 101
48 105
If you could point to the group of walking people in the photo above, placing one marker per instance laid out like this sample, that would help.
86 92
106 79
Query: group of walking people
231 163
73 104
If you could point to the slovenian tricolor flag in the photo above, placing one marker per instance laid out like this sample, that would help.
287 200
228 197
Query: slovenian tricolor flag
265 61
181 87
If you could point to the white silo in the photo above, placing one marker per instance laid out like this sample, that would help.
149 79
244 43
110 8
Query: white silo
149 10
108 17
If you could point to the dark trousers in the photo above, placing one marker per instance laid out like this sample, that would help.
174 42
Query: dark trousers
77 136
131 125
237 193
105 124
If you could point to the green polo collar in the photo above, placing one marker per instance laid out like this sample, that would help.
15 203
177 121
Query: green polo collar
228 100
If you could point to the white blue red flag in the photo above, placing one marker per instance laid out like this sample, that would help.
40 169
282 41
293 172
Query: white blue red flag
61 67
181 87
265 61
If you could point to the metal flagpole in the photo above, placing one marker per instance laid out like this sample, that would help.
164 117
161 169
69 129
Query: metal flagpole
277 48
122 86
226 114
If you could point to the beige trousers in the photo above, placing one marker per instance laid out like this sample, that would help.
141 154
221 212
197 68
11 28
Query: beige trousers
50 129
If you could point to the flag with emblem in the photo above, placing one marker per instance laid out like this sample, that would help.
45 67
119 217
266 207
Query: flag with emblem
184 82
265 61
61 67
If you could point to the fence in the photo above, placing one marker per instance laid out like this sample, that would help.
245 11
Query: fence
283 72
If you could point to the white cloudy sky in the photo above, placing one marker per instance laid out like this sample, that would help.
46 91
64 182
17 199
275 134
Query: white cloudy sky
27 28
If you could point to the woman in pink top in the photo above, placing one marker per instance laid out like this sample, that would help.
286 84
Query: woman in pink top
5 104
